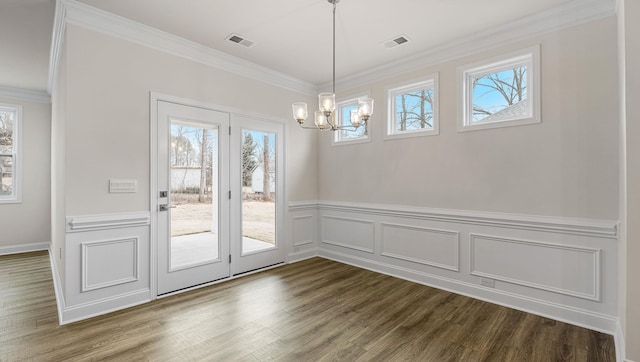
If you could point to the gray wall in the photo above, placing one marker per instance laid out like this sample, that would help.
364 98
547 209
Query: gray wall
565 166
107 123
28 222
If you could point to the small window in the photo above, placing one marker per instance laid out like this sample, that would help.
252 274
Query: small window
413 109
349 134
10 118
501 92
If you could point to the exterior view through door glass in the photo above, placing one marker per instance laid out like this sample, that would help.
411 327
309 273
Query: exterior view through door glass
258 191
193 206
257 171
194 195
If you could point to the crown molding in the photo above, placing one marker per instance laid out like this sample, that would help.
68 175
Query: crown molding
570 14
88 17
22 94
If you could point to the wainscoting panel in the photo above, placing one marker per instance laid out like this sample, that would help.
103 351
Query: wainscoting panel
438 248
562 268
109 262
303 230
557 268
348 233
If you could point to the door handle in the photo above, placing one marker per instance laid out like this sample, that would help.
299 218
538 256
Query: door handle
165 207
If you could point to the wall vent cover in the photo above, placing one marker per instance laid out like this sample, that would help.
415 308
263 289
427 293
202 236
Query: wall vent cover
398 40
235 38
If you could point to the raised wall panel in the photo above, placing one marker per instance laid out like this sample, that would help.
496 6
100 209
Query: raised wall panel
303 229
433 247
348 233
109 262
569 270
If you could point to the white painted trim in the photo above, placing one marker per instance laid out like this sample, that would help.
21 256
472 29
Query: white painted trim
529 57
16 197
455 267
349 246
57 285
302 255
104 306
88 17
561 17
576 316
303 205
85 287
587 227
596 266
107 221
57 43
154 195
336 138
24 248
429 81
27 95
303 242
618 339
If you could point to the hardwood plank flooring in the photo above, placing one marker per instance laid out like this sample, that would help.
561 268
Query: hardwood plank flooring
314 310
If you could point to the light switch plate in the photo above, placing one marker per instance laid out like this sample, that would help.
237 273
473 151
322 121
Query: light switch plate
123 186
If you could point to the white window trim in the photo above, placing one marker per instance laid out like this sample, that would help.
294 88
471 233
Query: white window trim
391 92
16 198
337 140
529 57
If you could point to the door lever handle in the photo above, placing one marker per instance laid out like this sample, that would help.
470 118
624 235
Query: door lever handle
165 207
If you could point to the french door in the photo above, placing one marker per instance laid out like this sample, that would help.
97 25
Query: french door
219 195
258 212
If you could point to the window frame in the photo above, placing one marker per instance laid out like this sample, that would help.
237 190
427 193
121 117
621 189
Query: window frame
16 196
529 57
407 87
337 139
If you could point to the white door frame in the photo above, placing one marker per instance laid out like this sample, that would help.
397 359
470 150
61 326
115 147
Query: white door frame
153 187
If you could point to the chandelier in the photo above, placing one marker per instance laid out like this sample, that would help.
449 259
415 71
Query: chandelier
325 116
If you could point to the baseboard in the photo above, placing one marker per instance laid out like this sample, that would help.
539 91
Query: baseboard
579 317
619 339
57 285
104 306
23 248
302 255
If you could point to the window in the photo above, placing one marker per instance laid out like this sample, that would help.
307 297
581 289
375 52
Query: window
10 118
350 134
501 92
413 109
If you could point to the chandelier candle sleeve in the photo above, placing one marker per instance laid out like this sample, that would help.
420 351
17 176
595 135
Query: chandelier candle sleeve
300 112
321 119
327 102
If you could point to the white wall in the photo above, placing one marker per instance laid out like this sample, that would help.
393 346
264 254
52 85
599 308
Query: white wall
109 81
28 222
102 130
565 166
532 208
629 12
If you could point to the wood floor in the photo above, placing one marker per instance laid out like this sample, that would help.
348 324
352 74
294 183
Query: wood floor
315 310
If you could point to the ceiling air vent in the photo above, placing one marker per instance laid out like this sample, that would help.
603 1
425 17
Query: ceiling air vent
399 40
240 40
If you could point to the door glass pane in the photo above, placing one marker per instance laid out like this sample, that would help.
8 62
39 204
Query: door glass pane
258 191
194 194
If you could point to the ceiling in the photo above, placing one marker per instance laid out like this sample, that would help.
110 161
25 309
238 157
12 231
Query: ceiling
291 36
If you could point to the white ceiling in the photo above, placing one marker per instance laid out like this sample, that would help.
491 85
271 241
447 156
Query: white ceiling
291 36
